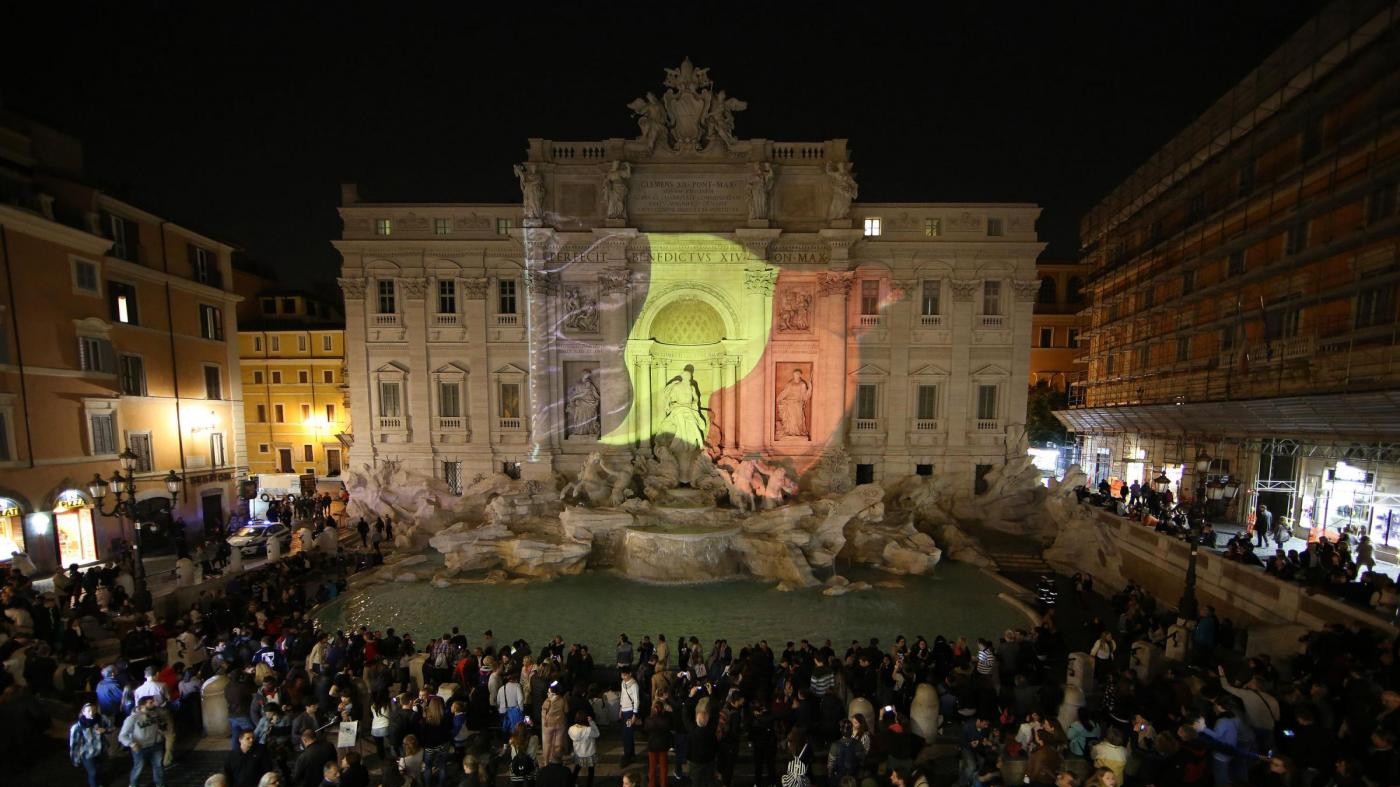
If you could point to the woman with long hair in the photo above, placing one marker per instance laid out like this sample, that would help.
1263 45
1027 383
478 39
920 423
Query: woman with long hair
584 734
411 763
434 731
87 743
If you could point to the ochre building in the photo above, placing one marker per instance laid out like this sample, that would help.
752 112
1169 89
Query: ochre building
1243 334
116 333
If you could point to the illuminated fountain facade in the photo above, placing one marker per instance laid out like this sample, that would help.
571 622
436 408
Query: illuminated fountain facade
683 342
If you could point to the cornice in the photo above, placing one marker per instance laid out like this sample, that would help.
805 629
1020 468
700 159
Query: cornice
136 271
40 227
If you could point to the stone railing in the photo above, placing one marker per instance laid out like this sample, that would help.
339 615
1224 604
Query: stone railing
988 425
507 319
993 321
798 151
867 424
931 320
1241 592
926 425
449 424
509 424
446 319
391 423
870 320
387 319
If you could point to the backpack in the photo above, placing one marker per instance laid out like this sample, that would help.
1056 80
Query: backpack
522 766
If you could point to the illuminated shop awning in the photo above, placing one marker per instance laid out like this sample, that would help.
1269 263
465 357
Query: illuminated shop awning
1364 417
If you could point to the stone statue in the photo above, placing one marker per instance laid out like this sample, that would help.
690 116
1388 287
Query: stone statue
743 484
581 311
661 473
779 484
595 485
615 189
531 189
582 404
719 119
760 184
683 427
795 313
792 407
843 189
651 119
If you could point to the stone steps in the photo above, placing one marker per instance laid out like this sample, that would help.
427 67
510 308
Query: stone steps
1018 563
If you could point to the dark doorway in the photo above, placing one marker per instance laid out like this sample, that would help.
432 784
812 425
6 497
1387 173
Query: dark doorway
511 469
157 526
212 507
284 460
865 474
923 469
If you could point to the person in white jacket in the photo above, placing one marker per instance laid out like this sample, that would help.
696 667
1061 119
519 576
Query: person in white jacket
144 733
584 734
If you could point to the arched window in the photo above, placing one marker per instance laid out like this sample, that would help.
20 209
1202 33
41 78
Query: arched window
1075 293
1047 291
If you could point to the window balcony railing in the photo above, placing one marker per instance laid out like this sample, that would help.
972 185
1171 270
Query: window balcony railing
988 425
931 320
388 318
507 319
509 424
867 424
926 425
993 321
391 423
870 320
449 423
446 319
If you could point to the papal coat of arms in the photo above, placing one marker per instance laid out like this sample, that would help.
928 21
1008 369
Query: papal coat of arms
689 117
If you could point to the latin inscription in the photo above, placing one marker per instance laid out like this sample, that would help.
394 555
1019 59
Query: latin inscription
690 195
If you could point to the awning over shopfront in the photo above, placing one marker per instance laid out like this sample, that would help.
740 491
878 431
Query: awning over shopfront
1362 417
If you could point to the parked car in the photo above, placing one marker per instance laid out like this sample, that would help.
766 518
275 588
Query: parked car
253 537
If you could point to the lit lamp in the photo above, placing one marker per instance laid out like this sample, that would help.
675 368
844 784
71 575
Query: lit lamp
1161 483
1202 462
124 508
1215 490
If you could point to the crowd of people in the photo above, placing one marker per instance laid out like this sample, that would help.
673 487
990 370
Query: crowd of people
314 708
1343 567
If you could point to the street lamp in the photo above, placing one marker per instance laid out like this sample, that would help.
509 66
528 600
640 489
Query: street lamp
124 508
1161 483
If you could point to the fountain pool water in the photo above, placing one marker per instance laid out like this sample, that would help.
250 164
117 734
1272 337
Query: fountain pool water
593 608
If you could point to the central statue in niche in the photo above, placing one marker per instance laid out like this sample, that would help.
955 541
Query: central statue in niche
683 428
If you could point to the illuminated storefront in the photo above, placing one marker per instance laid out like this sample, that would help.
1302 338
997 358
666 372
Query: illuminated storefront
72 517
11 528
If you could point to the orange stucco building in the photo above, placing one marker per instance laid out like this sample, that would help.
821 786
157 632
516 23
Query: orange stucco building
117 331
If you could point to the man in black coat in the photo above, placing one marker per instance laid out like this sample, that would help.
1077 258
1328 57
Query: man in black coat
245 765
310 764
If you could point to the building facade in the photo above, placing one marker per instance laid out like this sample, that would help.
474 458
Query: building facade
1243 316
117 334
687 265
292 363
1057 323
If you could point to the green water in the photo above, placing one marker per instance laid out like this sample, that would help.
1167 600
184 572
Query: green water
594 607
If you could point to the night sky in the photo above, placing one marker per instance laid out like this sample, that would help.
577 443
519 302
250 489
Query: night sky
243 125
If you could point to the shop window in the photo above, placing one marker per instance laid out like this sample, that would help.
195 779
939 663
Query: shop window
11 527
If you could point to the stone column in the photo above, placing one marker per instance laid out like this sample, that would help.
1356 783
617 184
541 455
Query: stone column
758 289
358 378
614 387
641 373
420 380
961 405
830 408
1022 316
478 410
541 286
899 324
731 404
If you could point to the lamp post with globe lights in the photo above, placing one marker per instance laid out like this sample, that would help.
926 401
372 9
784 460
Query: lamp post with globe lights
124 508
